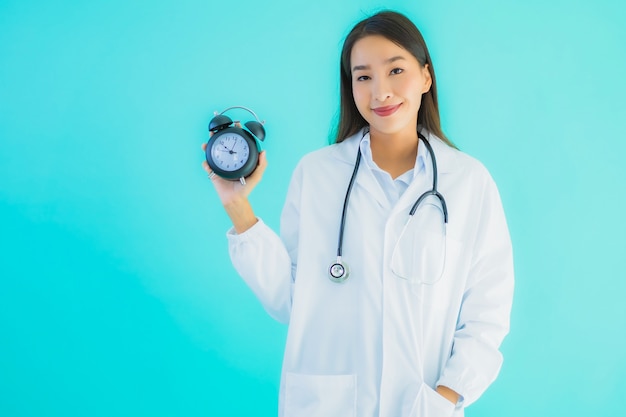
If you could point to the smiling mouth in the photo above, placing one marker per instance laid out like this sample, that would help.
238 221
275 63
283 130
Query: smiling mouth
386 110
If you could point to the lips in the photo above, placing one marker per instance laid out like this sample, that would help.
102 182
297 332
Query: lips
386 110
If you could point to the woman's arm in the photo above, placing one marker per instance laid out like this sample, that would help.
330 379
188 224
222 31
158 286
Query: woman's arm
234 195
257 253
483 320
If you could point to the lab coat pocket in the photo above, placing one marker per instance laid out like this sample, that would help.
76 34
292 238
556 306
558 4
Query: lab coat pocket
430 404
439 294
320 395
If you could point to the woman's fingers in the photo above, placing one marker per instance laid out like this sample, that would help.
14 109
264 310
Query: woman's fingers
255 177
206 167
262 162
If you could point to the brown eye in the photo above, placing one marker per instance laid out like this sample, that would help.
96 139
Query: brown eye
396 71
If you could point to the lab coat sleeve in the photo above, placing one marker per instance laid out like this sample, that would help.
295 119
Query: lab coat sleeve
263 259
483 320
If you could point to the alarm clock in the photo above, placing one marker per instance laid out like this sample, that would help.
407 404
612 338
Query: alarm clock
233 152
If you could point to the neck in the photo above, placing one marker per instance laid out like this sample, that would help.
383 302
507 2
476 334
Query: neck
394 153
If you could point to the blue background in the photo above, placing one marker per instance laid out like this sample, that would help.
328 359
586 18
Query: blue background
117 297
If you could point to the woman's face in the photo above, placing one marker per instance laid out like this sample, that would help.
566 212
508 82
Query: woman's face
387 84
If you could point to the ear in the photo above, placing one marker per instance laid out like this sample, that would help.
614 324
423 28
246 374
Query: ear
428 80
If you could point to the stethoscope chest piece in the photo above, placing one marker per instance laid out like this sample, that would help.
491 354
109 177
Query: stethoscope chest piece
338 272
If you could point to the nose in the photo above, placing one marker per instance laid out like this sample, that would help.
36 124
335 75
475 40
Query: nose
381 89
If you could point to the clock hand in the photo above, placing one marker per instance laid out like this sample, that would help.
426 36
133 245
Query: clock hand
230 151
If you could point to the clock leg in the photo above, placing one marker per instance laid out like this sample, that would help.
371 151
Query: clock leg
242 180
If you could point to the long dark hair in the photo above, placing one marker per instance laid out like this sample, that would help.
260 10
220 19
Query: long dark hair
401 31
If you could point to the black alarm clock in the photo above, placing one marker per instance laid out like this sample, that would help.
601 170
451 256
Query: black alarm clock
233 152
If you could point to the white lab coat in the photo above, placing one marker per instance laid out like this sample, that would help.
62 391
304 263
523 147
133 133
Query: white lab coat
378 345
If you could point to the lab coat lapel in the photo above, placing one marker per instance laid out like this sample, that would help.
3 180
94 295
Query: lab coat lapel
445 156
366 179
346 151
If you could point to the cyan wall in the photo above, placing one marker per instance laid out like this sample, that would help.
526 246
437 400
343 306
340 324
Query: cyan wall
117 297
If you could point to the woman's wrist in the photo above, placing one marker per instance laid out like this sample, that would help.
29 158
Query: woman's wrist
241 214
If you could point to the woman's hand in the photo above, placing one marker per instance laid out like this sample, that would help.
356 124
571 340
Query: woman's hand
234 194
231 192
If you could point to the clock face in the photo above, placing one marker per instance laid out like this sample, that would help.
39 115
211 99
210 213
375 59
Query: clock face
230 152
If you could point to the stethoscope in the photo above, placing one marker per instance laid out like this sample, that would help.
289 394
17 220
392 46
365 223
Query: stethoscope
338 271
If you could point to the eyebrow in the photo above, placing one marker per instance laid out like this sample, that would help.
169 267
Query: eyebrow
366 67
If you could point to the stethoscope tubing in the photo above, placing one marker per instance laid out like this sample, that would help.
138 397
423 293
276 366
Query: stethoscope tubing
344 212
433 191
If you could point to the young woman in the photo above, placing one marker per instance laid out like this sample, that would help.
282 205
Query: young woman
394 264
